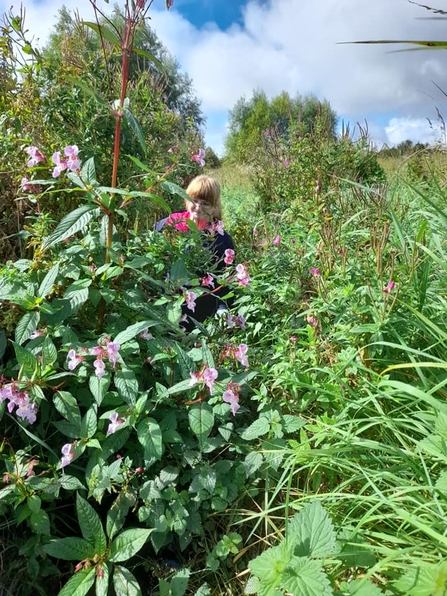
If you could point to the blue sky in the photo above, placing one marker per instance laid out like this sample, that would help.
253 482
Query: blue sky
231 47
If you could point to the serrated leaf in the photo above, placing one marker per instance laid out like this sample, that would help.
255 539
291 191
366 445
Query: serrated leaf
258 428
270 566
125 583
67 406
70 549
127 544
133 330
179 582
90 525
311 532
201 419
26 326
80 583
418 581
89 423
306 578
40 522
46 286
71 224
150 437
27 361
360 587
116 516
99 387
253 585
71 482
49 352
127 385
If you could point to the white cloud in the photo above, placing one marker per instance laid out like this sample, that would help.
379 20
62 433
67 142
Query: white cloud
294 45
418 129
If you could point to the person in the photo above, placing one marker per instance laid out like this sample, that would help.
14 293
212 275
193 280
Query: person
205 209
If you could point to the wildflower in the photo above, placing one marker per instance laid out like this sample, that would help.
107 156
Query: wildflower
190 299
60 164
37 333
208 281
389 287
293 338
311 320
146 335
208 376
314 271
26 410
67 454
26 186
240 354
229 256
232 398
217 226
112 352
238 321
35 156
286 163
74 359
277 240
292 240
242 275
255 232
115 422
199 158
71 153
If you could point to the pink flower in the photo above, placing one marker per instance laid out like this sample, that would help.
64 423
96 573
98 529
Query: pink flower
293 339
71 153
217 226
100 368
115 422
26 410
314 271
208 281
209 377
60 164
26 186
229 256
190 299
292 240
199 158
240 354
238 321
35 155
277 240
255 232
286 163
389 287
232 398
74 359
67 454
242 275
37 333
311 320
112 352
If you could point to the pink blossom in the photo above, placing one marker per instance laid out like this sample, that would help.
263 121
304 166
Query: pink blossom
236 320
100 368
26 186
71 153
112 352
74 359
232 398
67 454
277 240
314 271
35 155
389 287
209 377
37 333
217 226
26 410
60 164
311 320
199 158
98 351
242 275
292 240
286 163
146 335
115 422
229 256
255 232
293 338
190 300
208 281
240 354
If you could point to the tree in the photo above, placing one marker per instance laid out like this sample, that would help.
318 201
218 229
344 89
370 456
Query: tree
251 121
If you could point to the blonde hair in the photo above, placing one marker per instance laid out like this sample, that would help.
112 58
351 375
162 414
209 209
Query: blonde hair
206 190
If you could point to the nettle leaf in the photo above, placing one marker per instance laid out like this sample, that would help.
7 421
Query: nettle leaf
80 583
270 566
127 544
26 326
125 582
201 419
116 516
258 428
71 224
311 532
134 330
90 524
46 286
361 587
127 385
306 578
150 437
293 423
179 583
420 581
70 549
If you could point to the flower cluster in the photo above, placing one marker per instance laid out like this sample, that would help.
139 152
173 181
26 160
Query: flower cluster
70 161
216 227
109 352
236 321
26 410
208 281
229 256
277 240
242 275
314 271
36 156
115 423
199 158
207 376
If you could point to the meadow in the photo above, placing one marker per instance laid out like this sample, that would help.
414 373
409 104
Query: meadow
296 444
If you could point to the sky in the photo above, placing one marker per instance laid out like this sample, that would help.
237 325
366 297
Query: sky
231 47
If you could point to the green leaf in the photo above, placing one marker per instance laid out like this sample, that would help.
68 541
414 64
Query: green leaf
80 583
34 502
106 32
258 428
127 544
179 582
419 581
90 525
150 57
67 406
46 286
133 330
70 549
306 578
127 385
201 419
71 482
136 128
40 522
3 342
27 361
88 172
99 387
270 566
311 532
150 437
49 352
360 587
89 423
124 582
175 189
71 224
139 163
116 516
102 583
82 85
26 326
